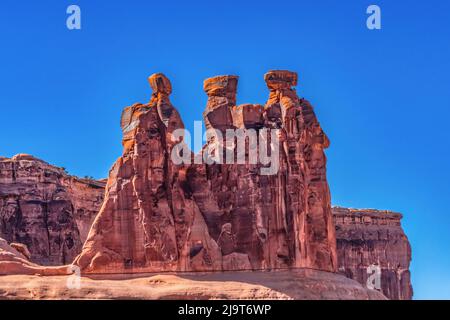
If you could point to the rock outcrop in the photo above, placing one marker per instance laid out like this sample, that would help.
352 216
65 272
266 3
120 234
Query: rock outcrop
367 237
14 260
271 221
162 216
44 208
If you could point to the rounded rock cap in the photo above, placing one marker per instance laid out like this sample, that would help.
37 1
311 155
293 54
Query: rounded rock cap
160 83
281 79
220 85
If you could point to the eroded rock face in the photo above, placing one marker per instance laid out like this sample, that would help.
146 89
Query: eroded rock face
274 221
297 284
368 237
158 216
364 237
221 91
46 209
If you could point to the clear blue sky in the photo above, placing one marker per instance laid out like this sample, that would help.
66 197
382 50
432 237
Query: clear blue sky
383 97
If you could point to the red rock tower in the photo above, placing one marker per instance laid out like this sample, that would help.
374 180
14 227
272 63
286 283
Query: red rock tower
196 217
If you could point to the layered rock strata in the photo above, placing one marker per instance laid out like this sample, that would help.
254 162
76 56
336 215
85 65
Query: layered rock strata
369 240
46 209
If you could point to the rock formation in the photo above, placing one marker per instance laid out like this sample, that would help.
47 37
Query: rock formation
148 221
14 260
374 238
44 208
364 237
160 216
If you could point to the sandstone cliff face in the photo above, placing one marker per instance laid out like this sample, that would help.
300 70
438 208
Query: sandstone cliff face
374 237
148 221
46 209
267 221
197 217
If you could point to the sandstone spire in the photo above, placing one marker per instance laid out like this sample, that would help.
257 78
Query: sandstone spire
306 183
162 88
147 222
203 217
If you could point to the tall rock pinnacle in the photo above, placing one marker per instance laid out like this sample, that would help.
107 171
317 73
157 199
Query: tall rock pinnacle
162 88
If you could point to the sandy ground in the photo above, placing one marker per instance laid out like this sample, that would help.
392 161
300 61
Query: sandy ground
299 284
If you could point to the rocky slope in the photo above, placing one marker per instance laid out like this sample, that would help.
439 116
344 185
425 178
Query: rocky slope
374 238
44 208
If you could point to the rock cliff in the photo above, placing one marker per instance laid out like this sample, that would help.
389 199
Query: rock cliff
274 220
374 238
44 208
158 215
148 221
